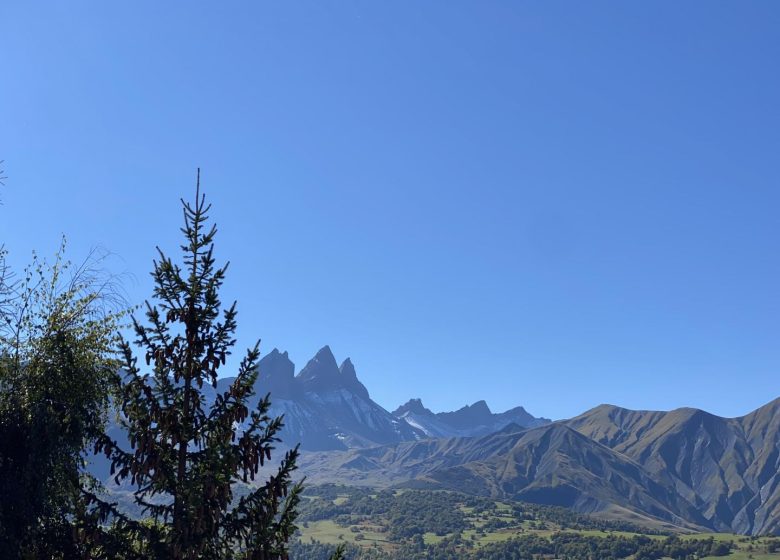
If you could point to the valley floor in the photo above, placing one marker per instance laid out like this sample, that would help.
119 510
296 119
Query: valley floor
412 525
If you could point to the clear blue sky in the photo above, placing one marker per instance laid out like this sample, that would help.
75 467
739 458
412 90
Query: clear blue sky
538 203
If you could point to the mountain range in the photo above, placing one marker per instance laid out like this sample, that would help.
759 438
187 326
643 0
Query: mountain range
685 467
326 407
471 420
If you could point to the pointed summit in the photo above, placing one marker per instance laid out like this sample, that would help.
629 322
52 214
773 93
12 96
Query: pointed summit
519 416
276 375
347 369
321 367
322 373
325 353
279 361
350 380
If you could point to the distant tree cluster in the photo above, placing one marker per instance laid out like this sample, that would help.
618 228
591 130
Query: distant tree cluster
574 546
568 546
416 513
408 515
568 519
405 514
411 512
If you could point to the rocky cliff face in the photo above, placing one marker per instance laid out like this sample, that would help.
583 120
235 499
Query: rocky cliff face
325 406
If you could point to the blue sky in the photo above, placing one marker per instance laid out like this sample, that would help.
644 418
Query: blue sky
553 204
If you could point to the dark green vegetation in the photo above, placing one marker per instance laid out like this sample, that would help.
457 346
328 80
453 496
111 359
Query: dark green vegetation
188 453
411 524
184 458
57 333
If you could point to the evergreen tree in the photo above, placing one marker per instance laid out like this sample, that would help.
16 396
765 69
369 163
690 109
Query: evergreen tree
186 454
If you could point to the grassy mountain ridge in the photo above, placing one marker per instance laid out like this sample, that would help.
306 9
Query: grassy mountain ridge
726 467
685 466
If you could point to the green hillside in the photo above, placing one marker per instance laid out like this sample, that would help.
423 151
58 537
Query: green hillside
442 525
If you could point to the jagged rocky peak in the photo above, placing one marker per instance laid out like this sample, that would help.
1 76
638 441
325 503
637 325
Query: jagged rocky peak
321 367
350 380
347 369
276 374
413 406
322 373
516 410
277 364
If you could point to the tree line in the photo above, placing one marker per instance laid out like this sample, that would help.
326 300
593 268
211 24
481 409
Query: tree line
564 546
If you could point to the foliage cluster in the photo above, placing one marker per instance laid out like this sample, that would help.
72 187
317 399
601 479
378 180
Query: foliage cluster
569 546
61 373
58 327
409 512
524 530
404 514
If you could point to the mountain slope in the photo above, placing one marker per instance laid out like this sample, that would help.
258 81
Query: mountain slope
325 406
556 465
552 464
685 466
726 467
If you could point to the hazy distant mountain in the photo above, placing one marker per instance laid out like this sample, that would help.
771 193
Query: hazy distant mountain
686 466
471 420
326 407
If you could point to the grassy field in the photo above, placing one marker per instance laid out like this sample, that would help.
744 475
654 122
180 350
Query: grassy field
485 525
329 532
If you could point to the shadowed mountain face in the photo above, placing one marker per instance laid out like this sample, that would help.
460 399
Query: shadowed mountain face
686 466
326 407
727 467
552 464
278 376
